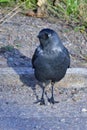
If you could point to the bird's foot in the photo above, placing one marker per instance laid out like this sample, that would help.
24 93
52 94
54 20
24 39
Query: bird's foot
52 101
41 101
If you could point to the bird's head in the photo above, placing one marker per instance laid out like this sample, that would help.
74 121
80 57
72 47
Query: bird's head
48 37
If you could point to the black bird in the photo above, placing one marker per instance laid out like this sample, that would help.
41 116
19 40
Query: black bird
50 60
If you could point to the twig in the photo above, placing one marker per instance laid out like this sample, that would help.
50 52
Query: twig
5 20
11 14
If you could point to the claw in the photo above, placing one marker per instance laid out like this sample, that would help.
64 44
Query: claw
41 101
52 101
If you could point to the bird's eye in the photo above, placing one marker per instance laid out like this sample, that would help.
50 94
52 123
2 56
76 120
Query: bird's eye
45 36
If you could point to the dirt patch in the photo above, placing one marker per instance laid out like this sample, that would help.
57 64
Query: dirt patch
21 32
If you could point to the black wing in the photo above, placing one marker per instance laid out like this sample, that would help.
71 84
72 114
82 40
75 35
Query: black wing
36 54
67 54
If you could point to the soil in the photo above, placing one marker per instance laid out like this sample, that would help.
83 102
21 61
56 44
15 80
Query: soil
18 40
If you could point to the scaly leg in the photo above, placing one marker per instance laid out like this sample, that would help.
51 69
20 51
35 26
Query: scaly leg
42 101
51 100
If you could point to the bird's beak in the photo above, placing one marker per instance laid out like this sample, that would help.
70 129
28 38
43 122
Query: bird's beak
38 36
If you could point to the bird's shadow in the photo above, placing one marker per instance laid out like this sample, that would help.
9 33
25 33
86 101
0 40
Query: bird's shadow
16 59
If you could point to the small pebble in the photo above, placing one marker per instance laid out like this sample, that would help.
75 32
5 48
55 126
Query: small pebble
62 120
84 110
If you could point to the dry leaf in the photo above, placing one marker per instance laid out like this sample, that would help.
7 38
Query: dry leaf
41 2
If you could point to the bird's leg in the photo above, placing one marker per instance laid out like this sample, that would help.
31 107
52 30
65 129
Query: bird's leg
42 101
51 100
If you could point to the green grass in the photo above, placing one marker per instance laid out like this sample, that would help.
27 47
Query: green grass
72 11
28 4
2 1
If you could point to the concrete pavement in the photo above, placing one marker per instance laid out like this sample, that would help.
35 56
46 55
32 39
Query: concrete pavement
19 91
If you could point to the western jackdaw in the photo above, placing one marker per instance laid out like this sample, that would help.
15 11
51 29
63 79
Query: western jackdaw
50 60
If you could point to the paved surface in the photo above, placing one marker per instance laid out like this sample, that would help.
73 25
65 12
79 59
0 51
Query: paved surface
75 77
19 90
19 110
43 124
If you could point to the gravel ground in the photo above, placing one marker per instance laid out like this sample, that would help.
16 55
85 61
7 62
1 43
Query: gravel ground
21 32
18 110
